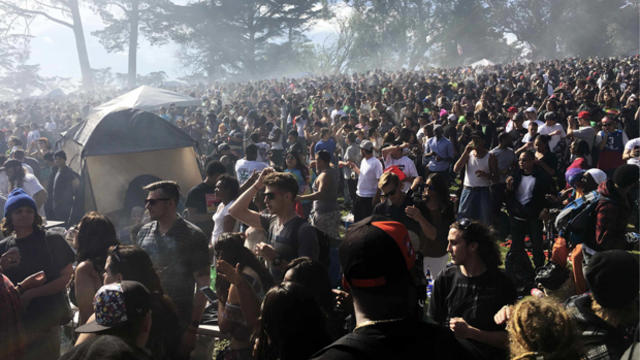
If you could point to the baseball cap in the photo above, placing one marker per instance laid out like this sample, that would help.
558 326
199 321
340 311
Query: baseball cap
598 175
512 109
367 145
118 304
377 252
612 276
530 109
584 115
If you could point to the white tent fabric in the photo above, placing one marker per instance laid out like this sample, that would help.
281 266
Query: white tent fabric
483 62
143 98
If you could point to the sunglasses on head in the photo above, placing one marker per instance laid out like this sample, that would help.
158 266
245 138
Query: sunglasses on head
154 201
114 253
464 223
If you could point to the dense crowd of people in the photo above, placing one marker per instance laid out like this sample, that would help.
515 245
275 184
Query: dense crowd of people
363 216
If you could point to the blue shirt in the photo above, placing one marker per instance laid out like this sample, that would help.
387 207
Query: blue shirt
329 145
444 149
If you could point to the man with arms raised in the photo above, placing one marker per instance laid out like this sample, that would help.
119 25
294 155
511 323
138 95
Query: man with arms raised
289 236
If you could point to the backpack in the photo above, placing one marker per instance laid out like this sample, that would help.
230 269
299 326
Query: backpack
575 220
324 241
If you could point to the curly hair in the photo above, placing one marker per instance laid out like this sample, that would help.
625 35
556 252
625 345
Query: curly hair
541 327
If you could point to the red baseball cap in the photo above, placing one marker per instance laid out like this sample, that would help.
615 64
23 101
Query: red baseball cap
584 115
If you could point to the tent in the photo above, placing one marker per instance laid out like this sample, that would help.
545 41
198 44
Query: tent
483 62
143 98
116 150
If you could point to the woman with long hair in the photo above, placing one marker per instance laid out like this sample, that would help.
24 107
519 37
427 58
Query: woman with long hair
45 306
297 166
226 190
129 262
240 286
292 325
96 234
440 214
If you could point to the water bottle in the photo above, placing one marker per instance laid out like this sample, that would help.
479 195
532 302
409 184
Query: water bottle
429 284
212 277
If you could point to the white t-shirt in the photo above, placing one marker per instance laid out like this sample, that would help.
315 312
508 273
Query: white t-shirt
629 146
525 189
370 172
30 185
407 166
218 220
244 169
525 124
555 139
300 124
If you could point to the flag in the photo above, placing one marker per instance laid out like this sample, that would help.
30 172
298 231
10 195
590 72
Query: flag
459 49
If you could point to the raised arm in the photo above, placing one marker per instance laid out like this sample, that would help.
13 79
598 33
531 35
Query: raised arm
240 208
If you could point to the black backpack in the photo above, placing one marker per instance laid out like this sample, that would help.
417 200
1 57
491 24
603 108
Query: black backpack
324 241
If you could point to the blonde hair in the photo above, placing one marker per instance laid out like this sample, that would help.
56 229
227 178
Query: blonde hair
540 328
388 178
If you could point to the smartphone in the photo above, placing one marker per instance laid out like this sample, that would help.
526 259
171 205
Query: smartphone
210 294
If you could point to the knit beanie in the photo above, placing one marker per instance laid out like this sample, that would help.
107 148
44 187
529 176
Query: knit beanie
17 199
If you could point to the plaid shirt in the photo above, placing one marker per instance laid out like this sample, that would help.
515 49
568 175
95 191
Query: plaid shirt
176 256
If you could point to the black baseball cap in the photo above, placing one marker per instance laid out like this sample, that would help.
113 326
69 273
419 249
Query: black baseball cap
118 304
377 252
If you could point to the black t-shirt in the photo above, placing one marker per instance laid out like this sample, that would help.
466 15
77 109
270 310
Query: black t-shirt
38 252
202 198
404 339
475 299
398 213
287 243
106 347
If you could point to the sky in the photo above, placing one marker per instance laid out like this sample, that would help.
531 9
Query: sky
53 48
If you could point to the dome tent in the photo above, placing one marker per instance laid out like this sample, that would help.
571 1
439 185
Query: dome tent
111 150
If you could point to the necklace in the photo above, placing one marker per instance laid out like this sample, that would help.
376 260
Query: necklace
375 322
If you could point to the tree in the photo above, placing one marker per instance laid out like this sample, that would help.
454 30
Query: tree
238 37
125 19
61 12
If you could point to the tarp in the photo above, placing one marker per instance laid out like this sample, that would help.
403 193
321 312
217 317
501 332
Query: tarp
128 131
483 62
143 98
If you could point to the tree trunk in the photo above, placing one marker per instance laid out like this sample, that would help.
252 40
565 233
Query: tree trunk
81 46
134 18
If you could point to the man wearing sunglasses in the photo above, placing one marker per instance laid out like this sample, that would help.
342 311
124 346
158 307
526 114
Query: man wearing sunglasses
180 253
611 141
289 236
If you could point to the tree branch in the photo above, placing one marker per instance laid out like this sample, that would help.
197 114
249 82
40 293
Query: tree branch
23 11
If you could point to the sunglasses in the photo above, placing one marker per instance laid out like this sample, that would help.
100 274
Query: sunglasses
390 193
270 196
152 202
463 224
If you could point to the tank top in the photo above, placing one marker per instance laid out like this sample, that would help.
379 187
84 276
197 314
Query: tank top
330 201
474 164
